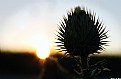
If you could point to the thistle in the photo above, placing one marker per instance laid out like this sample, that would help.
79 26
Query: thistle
81 34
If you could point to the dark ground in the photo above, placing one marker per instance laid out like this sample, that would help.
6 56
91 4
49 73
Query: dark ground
28 66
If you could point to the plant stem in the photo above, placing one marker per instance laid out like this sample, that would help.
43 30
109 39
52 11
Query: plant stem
85 65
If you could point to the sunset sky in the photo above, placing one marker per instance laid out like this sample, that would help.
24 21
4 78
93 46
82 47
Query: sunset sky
25 22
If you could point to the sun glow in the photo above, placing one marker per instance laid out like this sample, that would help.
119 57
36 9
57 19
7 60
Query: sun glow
42 49
40 44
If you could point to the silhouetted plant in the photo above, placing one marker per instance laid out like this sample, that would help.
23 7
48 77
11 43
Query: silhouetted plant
81 34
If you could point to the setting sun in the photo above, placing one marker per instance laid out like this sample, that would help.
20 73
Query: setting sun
42 48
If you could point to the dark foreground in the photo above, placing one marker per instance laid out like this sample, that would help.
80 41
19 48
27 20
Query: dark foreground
28 66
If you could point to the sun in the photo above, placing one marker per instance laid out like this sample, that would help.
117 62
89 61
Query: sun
42 48
40 44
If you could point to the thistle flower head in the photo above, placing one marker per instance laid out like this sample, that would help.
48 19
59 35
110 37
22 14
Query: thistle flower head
81 33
